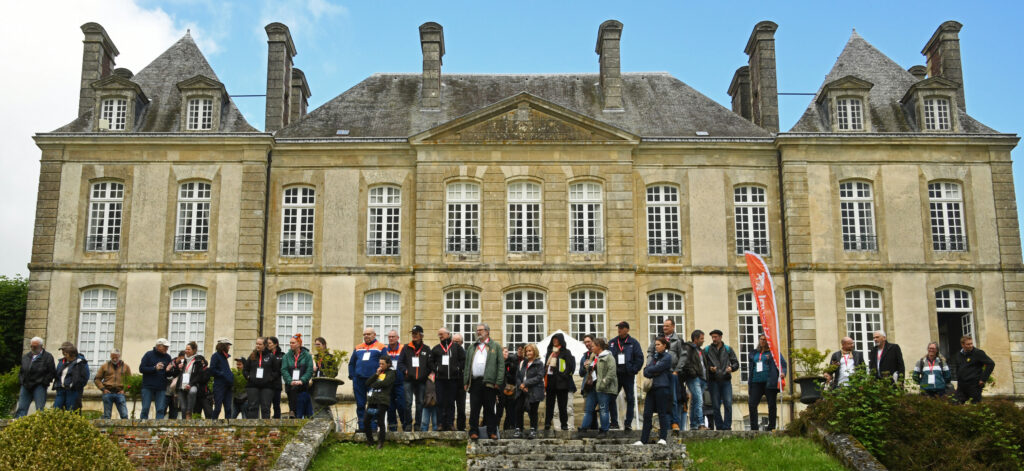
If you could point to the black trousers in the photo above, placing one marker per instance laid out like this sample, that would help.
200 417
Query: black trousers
460 407
275 402
382 425
554 396
447 393
523 406
968 390
756 390
259 402
482 397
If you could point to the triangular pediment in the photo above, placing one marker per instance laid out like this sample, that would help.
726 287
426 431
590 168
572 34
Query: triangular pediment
200 82
523 119
931 83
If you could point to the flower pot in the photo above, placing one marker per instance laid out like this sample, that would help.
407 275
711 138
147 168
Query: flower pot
325 391
810 388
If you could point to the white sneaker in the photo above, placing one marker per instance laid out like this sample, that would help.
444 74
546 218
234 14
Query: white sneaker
662 442
638 443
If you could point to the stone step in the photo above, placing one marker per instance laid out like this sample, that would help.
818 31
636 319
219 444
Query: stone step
653 452
565 449
568 465
550 441
653 467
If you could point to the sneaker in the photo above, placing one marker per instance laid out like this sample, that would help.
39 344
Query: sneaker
628 429
702 428
662 442
613 427
532 435
518 433
565 427
602 434
675 427
639 443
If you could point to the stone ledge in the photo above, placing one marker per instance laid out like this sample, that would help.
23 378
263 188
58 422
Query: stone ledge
298 454
847 449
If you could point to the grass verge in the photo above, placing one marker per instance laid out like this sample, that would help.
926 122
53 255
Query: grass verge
767 453
394 457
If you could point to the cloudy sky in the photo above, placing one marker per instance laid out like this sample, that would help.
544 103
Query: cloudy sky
340 43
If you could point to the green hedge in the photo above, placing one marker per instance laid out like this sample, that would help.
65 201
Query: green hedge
60 441
9 389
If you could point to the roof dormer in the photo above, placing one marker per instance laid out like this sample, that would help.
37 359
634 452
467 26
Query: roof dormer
930 105
202 99
845 104
118 102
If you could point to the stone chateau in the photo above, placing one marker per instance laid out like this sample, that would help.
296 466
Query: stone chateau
530 202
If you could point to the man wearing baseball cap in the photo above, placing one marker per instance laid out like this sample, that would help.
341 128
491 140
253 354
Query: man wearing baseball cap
416 358
223 379
154 369
629 360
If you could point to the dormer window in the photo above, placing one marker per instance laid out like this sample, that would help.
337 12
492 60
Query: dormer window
202 99
200 114
930 104
849 114
843 103
114 113
118 102
936 114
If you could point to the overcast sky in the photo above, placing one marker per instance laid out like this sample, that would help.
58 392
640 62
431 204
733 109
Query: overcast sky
340 43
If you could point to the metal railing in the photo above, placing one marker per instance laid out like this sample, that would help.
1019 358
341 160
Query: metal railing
861 243
952 243
297 248
382 248
101 243
668 246
470 244
586 244
520 244
192 243
758 246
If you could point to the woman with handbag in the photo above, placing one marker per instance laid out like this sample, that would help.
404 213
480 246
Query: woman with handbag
658 374
604 383
559 367
529 390
192 377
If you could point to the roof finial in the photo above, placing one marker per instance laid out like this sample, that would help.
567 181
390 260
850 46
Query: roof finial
188 32
854 34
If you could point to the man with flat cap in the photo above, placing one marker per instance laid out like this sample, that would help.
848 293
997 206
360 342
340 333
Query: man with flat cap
629 360
223 379
416 358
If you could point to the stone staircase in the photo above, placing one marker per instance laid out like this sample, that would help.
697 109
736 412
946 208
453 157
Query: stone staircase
614 453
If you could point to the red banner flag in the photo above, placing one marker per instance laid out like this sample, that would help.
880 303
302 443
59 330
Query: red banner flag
764 296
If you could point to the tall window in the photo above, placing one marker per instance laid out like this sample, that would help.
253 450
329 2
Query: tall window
586 313
751 220
200 114
525 318
115 111
663 220
524 217
383 312
96 320
585 214
849 114
936 114
856 207
297 221
863 317
957 302
462 313
749 328
193 234
945 204
188 318
662 305
105 203
384 224
463 218
295 314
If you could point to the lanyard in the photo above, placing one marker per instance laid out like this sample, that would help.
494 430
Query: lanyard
481 348
296 360
445 350
931 365
418 350
620 346
394 353
261 359
188 368
846 360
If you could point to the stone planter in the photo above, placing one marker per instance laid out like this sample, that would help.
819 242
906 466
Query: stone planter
325 391
810 388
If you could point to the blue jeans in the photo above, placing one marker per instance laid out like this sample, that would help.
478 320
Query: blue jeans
626 382
157 396
415 390
67 399
676 399
429 419
109 400
696 387
359 389
303 405
721 395
396 410
26 397
601 400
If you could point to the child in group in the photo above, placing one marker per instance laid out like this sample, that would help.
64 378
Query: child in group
429 420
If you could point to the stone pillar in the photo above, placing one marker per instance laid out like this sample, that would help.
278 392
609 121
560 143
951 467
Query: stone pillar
280 51
299 96
608 36
763 82
943 54
432 44
97 62
739 90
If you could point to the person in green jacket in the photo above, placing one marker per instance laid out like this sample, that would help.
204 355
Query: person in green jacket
483 377
601 385
297 371
932 373
378 400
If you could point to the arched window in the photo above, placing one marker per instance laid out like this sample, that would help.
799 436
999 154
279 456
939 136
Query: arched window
587 313
383 312
524 217
193 233
663 305
585 218
463 222
849 114
462 313
751 207
295 314
105 205
97 318
857 214
525 318
945 204
749 328
188 318
663 220
863 317
297 221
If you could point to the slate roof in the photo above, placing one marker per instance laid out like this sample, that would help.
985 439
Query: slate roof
159 81
388 105
891 81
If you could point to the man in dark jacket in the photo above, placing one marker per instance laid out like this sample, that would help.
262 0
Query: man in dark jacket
694 373
416 358
885 360
397 410
846 361
971 368
629 360
154 369
223 379
679 357
448 359
37 372
721 361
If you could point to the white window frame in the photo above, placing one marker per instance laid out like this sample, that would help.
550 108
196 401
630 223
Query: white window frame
586 217
384 221
662 304
663 236
864 315
295 314
298 216
850 114
97 323
193 231
200 114
382 310
187 318
462 313
115 111
857 216
957 301
525 317
106 206
937 114
748 320
525 217
587 313
946 215
750 203
462 218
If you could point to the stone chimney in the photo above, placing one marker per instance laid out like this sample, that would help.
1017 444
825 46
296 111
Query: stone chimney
299 96
943 54
739 90
97 62
919 72
280 51
764 89
432 44
608 36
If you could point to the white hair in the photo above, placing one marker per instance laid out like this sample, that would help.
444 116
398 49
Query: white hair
882 333
36 339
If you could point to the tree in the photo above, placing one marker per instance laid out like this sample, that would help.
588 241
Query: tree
13 304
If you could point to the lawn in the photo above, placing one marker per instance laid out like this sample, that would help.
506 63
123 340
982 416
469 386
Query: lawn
767 453
359 456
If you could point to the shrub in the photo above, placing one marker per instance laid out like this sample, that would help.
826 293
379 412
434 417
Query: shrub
9 389
133 390
58 440
331 361
809 362
240 382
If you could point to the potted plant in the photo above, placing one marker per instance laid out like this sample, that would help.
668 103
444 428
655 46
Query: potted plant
809 366
325 384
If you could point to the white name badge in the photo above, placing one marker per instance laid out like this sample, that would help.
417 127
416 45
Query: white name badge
931 377
416 362
444 360
295 375
760 367
593 375
622 358
184 378
366 356
259 373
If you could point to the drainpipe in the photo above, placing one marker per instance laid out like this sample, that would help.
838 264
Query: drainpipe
263 259
785 277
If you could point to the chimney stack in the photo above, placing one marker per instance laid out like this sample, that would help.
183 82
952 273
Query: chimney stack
299 96
739 90
97 62
432 44
608 36
280 51
764 87
943 54
919 72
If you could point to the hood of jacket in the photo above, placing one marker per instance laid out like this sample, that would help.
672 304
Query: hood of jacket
551 345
